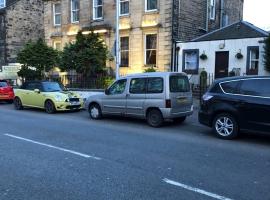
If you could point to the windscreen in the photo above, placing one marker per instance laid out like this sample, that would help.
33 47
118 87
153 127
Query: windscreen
179 84
52 87
3 84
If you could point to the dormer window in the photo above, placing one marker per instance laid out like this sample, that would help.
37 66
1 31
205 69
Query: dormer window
2 3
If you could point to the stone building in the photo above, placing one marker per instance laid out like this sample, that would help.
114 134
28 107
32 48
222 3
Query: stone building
149 29
20 21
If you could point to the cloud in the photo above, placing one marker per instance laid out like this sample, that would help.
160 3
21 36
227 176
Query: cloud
257 13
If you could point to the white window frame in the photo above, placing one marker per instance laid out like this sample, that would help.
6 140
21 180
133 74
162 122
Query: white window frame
145 50
253 60
94 11
153 10
71 10
54 15
120 2
212 12
3 4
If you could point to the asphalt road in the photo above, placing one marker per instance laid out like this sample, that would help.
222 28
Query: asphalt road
68 156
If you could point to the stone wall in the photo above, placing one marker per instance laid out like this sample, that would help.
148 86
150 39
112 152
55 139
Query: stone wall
2 39
192 18
135 25
232 8
24 22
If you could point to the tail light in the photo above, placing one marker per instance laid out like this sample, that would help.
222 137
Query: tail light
168 103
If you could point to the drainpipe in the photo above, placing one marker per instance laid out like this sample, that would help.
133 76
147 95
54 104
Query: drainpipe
221 13
207 16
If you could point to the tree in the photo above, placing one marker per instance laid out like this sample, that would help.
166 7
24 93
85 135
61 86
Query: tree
87 55
36 59
267 54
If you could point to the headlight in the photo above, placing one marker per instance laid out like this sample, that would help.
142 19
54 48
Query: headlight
207 97
58 98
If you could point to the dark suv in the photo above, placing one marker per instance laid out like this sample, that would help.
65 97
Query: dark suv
234 104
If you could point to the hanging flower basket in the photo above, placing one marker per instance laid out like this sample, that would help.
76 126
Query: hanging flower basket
203 56
239 55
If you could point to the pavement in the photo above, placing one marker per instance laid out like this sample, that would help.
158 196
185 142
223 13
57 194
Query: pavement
68 156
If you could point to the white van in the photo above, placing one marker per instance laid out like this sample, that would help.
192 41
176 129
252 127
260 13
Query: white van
153 96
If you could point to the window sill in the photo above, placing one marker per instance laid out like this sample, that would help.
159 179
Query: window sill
151 11
124 16
98 19
76 22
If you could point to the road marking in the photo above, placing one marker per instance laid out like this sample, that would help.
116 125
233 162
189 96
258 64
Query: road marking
53 147
187 187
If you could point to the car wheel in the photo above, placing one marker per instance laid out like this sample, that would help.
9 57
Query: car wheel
154 118
179 120
49 107
18 103
225 126
95 111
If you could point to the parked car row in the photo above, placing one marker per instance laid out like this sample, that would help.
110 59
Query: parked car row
229 106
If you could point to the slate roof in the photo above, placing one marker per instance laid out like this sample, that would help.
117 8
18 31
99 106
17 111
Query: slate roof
239 30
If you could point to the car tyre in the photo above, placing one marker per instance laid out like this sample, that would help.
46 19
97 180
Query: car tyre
95 111
225 126
154 118
18 103
179 120
49 107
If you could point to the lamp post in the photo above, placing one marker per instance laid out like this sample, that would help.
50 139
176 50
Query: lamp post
117 57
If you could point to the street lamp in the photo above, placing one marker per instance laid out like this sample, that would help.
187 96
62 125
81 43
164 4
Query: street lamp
117 56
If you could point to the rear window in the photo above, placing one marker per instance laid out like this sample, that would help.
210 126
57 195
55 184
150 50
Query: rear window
179 84
256 87
230 87
3 84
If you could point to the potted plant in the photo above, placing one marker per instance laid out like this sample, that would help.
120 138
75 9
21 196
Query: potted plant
232 73
239 55
203 56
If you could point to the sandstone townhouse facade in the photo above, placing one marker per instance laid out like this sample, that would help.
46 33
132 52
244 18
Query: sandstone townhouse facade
20 21
149 29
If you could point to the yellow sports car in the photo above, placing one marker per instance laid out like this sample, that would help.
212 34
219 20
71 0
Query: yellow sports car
50 96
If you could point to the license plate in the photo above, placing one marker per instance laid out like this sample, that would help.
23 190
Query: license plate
182 101
75 103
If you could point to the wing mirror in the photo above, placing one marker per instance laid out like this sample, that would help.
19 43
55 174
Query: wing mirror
36 90
107 91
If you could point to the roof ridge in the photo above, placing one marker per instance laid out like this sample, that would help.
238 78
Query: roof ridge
215 31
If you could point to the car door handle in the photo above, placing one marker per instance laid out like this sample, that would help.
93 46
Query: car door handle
127 95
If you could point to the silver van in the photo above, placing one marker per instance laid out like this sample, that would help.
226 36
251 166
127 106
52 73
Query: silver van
153 96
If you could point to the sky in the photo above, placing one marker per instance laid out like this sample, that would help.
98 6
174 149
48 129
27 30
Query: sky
257 12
